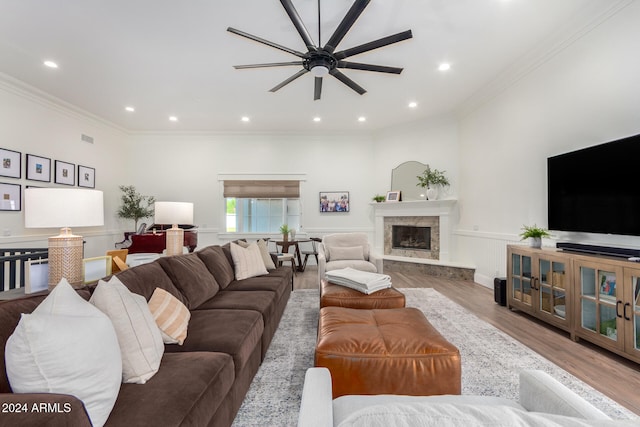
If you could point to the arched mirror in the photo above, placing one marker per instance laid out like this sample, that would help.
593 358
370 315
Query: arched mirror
404 178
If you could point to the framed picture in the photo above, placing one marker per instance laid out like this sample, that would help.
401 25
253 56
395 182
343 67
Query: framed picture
96 268
65 173
36 277
38 168
11 166
86 177
10 197
334 201
393 196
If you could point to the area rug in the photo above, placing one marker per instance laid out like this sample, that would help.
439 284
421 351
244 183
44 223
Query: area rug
491 359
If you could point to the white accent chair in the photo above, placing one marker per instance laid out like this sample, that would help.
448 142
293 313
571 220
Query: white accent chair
342 250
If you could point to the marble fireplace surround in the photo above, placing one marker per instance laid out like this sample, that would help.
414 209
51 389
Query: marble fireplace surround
432 222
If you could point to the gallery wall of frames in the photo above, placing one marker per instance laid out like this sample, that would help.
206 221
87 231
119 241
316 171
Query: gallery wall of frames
43 171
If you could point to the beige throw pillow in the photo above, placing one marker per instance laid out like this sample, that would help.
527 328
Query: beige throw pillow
266 256
141 345
171 316
346 253
247 261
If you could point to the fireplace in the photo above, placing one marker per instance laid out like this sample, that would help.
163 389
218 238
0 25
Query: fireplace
411 237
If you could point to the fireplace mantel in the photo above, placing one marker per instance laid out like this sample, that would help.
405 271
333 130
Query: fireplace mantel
443 209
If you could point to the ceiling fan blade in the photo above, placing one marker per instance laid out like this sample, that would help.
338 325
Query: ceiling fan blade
270 64
297 22
346 80
369 67
385 41
289 80
317 90
347 22
267 42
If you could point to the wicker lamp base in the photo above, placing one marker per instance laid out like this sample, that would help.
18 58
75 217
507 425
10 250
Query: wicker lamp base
65 259
175 240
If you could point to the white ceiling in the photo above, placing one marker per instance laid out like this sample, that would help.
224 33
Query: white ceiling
168 57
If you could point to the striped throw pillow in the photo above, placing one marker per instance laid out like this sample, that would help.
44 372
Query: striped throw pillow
171 316
247 261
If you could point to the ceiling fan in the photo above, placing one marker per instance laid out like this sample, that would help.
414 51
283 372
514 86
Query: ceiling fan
323 60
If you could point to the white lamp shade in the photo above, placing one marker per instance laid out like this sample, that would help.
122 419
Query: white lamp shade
173 213
63 207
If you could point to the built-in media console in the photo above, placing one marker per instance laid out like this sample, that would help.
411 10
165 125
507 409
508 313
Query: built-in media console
599 250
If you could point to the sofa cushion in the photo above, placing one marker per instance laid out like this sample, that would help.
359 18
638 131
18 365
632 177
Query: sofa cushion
145 278
171 316
273 283
218 264
247 261
191 277
235 332
187 390
141 345
67 346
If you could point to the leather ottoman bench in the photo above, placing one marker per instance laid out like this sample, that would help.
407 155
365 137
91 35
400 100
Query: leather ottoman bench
390 351
332 295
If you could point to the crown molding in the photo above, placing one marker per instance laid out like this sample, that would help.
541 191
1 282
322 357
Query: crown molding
543 52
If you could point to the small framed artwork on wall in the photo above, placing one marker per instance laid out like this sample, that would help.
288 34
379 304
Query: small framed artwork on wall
86 177
334 201
393 196
11 166
10 197
38 168
65 173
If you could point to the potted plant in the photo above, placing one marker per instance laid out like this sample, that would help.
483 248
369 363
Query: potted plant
431 179
378 198
135 205
534 233
284 229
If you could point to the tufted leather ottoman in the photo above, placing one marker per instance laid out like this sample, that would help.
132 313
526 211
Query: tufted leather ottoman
332 295
390 351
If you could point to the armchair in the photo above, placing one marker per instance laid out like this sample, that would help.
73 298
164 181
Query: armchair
342 250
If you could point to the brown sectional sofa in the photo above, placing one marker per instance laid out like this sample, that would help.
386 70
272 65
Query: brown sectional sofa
204 381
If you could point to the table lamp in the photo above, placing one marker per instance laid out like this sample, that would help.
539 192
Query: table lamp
66 208
174 213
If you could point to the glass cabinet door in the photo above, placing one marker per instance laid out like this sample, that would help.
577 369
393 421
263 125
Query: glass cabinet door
552 288
600 310
632 313
521 278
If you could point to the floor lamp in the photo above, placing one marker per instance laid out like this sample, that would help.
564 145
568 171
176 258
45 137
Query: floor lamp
65 208
174 213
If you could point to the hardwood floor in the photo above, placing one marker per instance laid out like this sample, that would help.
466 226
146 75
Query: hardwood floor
607 372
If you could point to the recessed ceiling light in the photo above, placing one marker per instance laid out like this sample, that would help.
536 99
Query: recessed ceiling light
445 66
245 119
130 109
362 119
50 64
413 104
317 119
173 118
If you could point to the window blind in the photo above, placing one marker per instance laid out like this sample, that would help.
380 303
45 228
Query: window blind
262 188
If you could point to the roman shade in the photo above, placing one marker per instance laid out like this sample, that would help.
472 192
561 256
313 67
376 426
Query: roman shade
262 188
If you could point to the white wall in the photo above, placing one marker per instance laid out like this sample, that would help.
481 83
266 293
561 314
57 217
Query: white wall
587 94
31 124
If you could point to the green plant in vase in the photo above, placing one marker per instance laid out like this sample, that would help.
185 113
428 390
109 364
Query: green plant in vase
134 205
534 233
284 229
379 198
431 179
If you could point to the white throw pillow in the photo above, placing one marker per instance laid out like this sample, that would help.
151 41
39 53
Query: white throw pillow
266 256
171 316
247 261
140 340
66 346
346 253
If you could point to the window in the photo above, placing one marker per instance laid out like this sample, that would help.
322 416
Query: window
261 206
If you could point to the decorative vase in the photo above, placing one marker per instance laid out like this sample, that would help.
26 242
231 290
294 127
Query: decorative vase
535 242
432 193
293 234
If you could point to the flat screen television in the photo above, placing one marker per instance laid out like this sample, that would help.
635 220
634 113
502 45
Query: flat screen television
596 189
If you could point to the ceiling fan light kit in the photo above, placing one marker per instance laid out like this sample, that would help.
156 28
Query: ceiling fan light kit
323 60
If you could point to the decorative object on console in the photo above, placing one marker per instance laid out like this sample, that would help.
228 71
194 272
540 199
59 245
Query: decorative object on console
64 207
10 197
96 268
86 177
284 229
38 168
378 198
174 213
11 164
65 173
534 233
334 201
134 205
431 179
394 196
